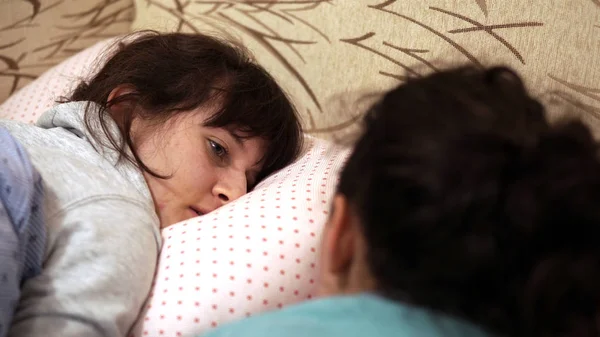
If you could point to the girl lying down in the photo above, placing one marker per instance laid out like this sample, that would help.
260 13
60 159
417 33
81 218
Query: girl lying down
173 126
461 212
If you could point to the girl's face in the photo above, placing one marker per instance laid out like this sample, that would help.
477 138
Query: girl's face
207 167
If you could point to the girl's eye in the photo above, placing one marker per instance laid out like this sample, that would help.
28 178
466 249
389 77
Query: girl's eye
217 149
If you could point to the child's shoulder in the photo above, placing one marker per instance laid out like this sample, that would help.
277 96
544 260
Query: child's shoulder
305 319
349 316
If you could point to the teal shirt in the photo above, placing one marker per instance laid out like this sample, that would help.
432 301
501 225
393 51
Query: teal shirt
363 315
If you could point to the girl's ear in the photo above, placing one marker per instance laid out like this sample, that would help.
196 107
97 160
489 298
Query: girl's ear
344 268
118 91
340 237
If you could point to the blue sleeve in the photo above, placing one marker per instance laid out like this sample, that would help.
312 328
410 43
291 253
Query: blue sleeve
22 231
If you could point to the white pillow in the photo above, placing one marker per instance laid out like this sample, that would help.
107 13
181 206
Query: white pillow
258 253
29 102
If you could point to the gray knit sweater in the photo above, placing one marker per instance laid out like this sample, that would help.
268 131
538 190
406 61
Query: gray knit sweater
103 233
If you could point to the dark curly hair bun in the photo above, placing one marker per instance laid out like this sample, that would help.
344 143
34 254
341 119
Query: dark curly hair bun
474 205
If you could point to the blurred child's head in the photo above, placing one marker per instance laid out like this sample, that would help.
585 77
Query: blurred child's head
461 198
204 122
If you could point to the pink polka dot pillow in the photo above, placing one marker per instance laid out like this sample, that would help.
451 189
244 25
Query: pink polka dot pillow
38 96
256 254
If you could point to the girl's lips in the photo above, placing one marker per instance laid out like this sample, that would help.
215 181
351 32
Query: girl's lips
197 211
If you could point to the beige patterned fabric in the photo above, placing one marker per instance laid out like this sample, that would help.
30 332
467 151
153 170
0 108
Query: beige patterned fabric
38 34
325 52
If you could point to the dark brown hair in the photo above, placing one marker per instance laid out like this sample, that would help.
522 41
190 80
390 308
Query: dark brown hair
473 205
175 73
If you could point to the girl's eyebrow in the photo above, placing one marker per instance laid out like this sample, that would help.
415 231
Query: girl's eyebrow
239 140
255 170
